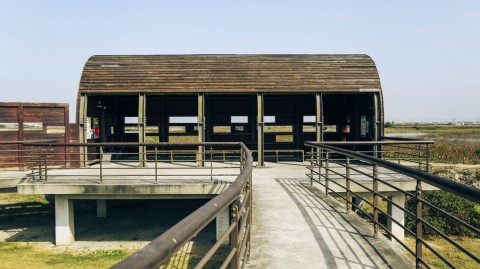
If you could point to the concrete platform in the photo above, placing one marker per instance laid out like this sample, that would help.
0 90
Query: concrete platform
10 179
125 180
294 228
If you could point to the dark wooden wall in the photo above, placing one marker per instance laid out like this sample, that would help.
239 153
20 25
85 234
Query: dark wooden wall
32 122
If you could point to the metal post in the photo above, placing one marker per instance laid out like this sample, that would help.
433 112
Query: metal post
260 126
375 201
45 163
101 164
156 166
82 114
419 154
327 164
319 122
211 164
398 154
201 129
235 263
311 167
427 159
419 225
376 121
349 194
141 128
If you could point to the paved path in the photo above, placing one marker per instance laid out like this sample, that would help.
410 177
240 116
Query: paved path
295 228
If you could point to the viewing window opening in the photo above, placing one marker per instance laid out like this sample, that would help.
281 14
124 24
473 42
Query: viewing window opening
278 129
177 129
284 138
309 119
239 119
183 119
183 138
269 119
222 129
131 120
330 128
8 126
309 129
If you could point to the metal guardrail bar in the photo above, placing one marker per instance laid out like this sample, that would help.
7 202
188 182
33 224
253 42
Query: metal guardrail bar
461 190
167 244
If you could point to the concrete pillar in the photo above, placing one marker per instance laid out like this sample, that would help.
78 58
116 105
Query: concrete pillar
101 208
223 222
357 203
397 214
141 129
64 222
260 125
201 129
82 114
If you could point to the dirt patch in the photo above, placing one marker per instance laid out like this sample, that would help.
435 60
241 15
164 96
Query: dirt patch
29 221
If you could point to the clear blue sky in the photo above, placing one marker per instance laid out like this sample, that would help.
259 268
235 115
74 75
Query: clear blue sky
427 52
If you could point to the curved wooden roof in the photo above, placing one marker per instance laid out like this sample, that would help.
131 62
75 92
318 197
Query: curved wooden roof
229 73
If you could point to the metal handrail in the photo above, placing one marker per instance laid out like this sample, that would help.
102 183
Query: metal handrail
167 244
461 190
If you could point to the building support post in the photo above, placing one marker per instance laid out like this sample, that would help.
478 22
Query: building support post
201 130
64 222
397 214
223 223
260 125
376 124
82 114
319 125
141 129
101 208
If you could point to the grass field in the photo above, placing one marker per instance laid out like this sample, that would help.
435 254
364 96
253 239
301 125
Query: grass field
23 255
453 144
27 233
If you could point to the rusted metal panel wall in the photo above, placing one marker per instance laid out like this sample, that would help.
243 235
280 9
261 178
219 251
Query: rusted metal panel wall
34 121
229 73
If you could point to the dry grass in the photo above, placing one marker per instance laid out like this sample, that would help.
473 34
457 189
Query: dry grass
451 253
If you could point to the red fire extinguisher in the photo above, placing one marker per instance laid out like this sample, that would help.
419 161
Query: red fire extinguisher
346 128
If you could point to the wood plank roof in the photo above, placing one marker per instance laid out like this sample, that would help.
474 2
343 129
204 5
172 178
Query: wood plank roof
105 74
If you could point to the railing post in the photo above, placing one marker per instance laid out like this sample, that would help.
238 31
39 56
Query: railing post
347 183
101 164
39 160
419 148
419 225
311 167
45 164
375 201
156 165
235 263
211 164
398 154
327 165
427 161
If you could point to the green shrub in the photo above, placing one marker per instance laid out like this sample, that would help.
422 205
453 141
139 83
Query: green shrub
460 207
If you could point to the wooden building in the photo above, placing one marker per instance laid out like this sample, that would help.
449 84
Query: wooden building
31 122
265 101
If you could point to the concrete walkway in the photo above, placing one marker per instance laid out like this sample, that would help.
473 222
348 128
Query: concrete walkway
294 228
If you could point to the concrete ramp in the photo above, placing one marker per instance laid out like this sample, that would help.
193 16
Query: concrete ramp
293 227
